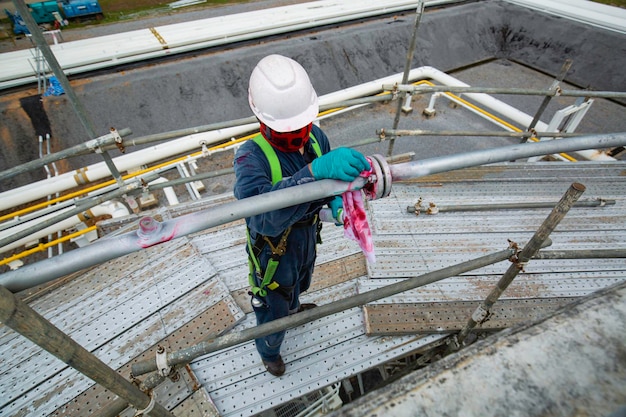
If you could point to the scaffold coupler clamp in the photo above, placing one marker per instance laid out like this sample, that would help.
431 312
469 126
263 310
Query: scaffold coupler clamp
149 407
118 140
481 314
163 368
453 343
519 263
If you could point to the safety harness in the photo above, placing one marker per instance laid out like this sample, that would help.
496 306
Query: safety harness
278 250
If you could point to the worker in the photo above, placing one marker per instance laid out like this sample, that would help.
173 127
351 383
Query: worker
282 243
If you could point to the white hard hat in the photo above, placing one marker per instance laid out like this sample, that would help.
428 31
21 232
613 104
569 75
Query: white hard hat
281 95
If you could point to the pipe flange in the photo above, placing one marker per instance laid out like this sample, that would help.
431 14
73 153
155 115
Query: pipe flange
383 175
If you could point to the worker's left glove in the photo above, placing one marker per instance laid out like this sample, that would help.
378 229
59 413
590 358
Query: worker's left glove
336 206
342 164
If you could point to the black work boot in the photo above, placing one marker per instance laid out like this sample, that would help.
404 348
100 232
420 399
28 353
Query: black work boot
276 368
306 306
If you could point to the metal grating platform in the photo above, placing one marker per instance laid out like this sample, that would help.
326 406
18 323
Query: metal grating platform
408 245
395 319
317 354
117 310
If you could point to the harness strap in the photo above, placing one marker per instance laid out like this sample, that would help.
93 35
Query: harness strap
272 158
253 262
254 250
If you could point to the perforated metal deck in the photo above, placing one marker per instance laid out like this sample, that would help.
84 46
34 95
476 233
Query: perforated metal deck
117 310
408 245
179 292
317 354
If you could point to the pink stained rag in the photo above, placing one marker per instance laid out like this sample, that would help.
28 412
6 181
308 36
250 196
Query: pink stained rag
355 225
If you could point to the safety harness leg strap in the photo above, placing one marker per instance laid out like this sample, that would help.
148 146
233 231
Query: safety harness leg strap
272 265
279 250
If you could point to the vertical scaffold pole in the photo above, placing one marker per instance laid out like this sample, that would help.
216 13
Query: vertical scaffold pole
407 69
530 250
17 315
80 110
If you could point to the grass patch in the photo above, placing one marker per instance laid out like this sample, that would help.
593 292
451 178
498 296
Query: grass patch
116 10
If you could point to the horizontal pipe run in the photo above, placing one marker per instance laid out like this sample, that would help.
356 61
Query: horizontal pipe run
416 169
176 134
93 145
153 233
81 207
508 206
68 180
187 355
582 254
107 249
503 134
423 89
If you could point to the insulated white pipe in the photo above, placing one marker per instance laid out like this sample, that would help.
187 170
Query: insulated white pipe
98 171
170 194
113 208
484 100
41 189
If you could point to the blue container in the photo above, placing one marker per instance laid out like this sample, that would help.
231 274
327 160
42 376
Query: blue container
42 11
79 8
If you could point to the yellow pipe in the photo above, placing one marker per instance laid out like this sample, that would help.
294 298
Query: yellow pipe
43 246
491 116
242 139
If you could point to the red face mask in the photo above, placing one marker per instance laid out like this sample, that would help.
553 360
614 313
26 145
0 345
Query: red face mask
286 141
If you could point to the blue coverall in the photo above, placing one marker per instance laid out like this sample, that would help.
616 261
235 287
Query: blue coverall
253 177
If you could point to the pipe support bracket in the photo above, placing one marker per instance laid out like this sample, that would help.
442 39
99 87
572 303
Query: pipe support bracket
161 360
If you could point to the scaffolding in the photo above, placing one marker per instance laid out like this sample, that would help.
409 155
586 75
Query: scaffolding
18 316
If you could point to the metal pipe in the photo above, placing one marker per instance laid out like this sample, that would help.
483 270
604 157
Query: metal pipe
581 254
119 404
530 249
107 249
176 134
81 207
48 227
24 320
203 348
425 167
505 206
151 232
407 67
91 146
554 87
425 89
504 134
39 189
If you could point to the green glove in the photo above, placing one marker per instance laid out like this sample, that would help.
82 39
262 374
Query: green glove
342 164
336 206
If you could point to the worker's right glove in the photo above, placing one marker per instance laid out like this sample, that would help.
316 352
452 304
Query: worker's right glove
342 164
